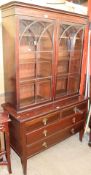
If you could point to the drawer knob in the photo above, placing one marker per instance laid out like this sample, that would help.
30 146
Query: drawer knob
73 120
72 131
44 144
45 121
45 133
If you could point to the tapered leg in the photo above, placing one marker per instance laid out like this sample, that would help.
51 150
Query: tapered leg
8 151
24 165
89 143
81 133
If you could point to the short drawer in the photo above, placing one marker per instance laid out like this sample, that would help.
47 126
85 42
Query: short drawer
46 131
75 110
42 121
82 106
59 136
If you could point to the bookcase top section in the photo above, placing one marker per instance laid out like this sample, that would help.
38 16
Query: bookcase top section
15 4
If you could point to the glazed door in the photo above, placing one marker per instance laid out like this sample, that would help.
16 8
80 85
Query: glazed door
35 61
70 40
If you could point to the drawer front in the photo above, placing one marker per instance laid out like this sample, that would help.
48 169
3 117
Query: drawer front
75 110
59 136
44 132
42 121
82 106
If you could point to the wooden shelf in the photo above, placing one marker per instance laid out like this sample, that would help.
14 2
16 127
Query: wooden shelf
70 37
39 60
33 100
34 79
27 101
61 93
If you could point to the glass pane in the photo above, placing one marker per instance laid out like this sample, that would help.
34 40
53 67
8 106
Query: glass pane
63 55
45 43
70 37
26 71
27 94
63 67
75 65
76 53
27 56
43 91
61 86
44 69
63 49
73 85
45 40
77 42
26 36
35 35
44 56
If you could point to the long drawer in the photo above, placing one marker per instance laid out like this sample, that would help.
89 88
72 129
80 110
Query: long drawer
53 139
42 121
46 131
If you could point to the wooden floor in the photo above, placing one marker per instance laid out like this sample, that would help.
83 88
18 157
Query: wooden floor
70 157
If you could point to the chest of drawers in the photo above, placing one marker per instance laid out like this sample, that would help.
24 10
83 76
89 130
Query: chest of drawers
38 129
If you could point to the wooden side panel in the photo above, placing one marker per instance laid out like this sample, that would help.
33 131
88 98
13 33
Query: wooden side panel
84 61
9 59
14 126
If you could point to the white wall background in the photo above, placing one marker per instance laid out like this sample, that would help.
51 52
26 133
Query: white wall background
1 60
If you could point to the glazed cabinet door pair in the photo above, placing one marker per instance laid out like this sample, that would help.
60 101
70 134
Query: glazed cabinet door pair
49 61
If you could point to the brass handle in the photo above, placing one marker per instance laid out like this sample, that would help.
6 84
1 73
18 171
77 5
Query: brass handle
1 125
45 16
45 121
35 42
72 131
45 133
73 120
44 144
1 128
78 110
